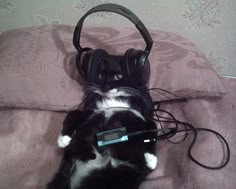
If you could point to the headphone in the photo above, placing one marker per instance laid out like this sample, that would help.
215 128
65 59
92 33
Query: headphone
134 62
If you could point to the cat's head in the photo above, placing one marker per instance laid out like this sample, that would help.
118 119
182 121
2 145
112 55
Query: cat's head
110 75
107 76
107 73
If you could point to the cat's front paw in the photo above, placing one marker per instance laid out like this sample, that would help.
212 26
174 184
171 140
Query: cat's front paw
63 141
151 160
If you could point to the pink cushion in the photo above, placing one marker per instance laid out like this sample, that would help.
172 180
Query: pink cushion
37 65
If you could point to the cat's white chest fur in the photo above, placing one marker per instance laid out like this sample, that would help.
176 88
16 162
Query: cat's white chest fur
111 104
110 101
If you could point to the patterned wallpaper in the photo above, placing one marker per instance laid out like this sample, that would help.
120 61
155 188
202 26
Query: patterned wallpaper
210 24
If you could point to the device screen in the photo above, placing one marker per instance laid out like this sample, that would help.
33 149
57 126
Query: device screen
111 136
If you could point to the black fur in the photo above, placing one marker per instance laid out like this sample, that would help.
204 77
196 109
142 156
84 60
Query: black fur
82 126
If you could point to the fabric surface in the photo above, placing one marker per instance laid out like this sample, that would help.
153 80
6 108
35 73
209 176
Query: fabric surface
37 65
29 153
30 156
175 170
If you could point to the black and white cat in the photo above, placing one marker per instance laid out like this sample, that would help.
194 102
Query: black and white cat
111 103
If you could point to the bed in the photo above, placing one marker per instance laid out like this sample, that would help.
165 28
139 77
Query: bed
39 85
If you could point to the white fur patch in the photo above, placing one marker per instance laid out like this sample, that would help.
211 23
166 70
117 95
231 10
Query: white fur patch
113 93
112 105
63 141
116 93
83 169
151 160
116 163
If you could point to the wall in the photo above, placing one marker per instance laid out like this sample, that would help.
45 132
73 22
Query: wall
210 24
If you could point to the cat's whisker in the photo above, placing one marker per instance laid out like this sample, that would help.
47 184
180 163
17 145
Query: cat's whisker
91 88
132 91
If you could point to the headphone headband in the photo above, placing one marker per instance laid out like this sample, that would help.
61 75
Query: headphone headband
109 7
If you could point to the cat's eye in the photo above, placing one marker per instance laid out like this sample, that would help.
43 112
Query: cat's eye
118 77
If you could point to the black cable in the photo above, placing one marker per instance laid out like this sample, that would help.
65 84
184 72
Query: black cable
168 132
168 113
173 120
159 89
189 127
194 140
172 131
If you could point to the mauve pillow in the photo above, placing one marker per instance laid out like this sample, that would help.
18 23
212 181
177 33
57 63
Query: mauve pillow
37 65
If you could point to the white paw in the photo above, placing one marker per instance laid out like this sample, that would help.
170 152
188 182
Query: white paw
151 160
63 141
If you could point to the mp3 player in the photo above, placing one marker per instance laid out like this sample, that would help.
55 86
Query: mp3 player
112 136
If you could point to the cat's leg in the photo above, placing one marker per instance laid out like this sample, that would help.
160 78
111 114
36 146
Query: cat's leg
150 147
72 121
83 142
151 160
150 155
61 179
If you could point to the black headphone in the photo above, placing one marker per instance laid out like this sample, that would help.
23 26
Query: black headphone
134 62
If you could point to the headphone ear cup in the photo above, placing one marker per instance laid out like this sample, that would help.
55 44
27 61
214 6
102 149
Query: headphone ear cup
91 63
146 69
137 66
82 60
